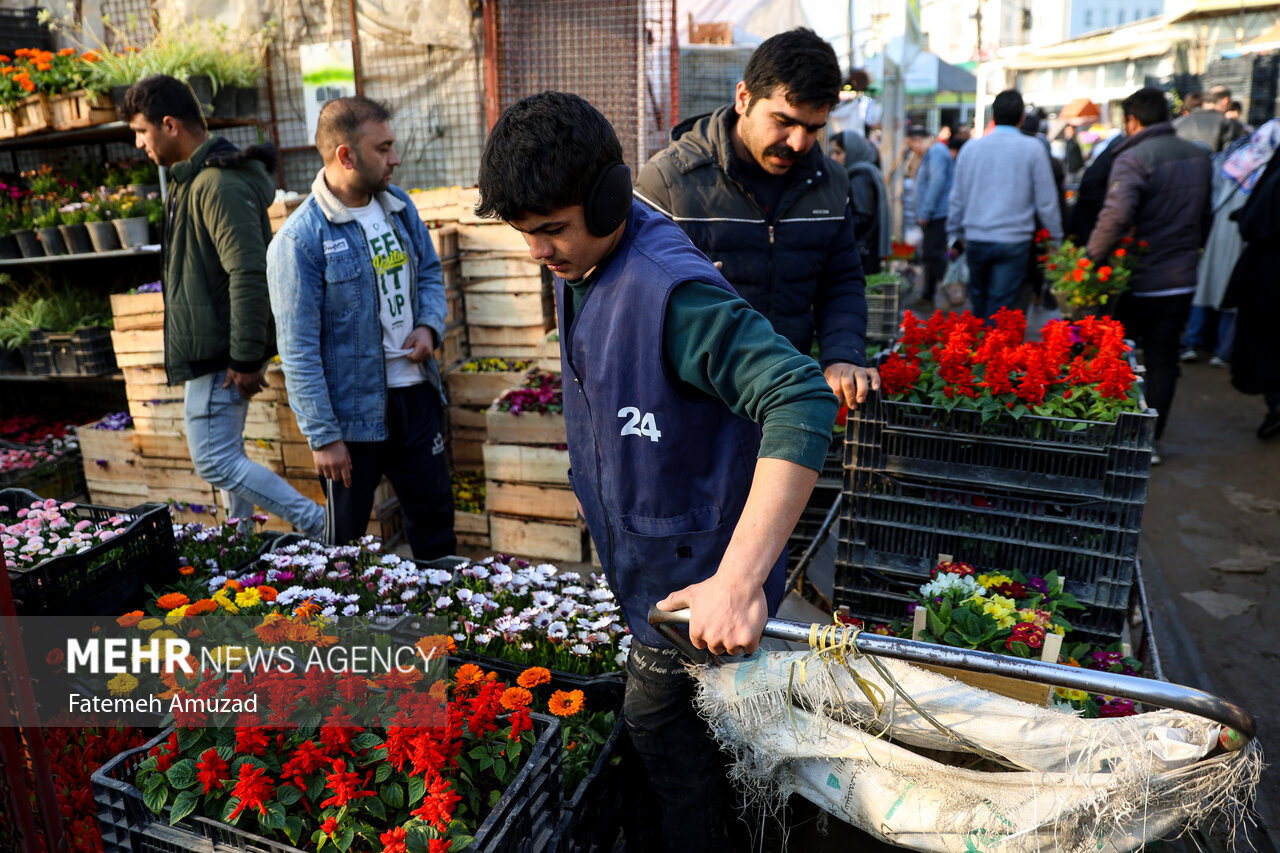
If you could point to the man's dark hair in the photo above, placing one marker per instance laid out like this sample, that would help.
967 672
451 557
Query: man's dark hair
919 131
160 95
543 154
1148 106
799 61
858 80
1234 106
340 121
1007 108
1193 100
1217 93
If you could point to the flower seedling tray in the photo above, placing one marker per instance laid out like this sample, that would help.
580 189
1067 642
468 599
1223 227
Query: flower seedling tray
480 388
60 478
882 312
104 579
84 352
1089 459
595 810
522 821
892 528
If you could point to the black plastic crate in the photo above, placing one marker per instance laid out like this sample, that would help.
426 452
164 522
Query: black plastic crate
1089 459
62 478
104 579
22 28
597 809
523 821
883 312
892 532
84 352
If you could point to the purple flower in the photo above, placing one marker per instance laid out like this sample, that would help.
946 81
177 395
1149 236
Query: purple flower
1039 585
149 287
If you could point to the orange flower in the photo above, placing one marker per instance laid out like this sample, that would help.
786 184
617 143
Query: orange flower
436 646
24 80
201 607
1120 253
130 620
515 698
306 609
5 59
1084 263
439 690
268 593
170 600
195 633
1104 273
67 51
1077 274
533 676
468 674
566 703
91 56
400 678
186 571
233 585
274 628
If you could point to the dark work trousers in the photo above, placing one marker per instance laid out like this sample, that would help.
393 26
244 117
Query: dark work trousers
414 461
934 255
685 767
1157 321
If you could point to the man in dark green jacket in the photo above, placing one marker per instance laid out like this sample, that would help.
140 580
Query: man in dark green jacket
753 191
217 319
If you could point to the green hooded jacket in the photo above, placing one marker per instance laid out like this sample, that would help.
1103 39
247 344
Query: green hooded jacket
217 312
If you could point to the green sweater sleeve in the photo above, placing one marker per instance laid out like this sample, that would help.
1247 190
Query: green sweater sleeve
715 342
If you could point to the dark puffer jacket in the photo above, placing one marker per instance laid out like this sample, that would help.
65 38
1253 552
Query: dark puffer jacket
1159 191
800 267
217 312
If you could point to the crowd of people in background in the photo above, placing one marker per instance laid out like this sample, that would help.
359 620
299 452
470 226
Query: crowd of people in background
1188 178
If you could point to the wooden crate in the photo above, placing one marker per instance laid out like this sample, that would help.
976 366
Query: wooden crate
261 420
155 393
521 337
445 241
296 454
135 311
525 537
526 463
265 453
8 124
492 237
81 109
450 274
100 495
161 446
34 114
481 389
468 417
496 265
453 306
525 428
139 347
109 444
505 309
438 205
1014 688
288 424
453 348
471 522
465 453
548 358
531 500
308 487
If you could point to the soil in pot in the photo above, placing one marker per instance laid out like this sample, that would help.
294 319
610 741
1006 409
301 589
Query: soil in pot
77 238
51 240
134 231
28 243
103 235
9 247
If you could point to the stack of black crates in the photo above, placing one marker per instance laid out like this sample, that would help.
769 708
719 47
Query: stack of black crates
1036 494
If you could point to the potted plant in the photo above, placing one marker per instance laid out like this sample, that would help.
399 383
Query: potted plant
74 232
110 71
22 230
98 215
11 220
132 225
1083 287
141 176
46 224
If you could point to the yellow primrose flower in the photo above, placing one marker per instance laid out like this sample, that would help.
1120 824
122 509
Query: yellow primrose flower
249 598
150 624
988 581
1000 609
1072 695
176 615
122 685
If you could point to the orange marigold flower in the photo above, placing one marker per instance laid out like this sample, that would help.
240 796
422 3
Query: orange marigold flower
533 676
186 571
515 698
268 593
233 585
306 609
439 690
91 56
274 628
436 646
1120 253
566 703
468 674
1084 263
1078 275
130 620
170 600
25 82
400 678
67 51
199 608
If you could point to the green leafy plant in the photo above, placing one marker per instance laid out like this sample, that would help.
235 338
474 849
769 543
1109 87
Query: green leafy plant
140 171
75 213
50 217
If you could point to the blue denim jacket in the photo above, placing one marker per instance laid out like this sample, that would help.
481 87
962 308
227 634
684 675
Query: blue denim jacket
325 300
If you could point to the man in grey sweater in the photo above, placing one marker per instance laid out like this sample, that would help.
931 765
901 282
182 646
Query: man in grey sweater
1002 183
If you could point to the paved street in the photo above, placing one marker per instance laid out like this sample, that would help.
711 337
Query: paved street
1211 546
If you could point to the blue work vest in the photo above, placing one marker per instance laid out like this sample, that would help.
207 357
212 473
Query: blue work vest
662 470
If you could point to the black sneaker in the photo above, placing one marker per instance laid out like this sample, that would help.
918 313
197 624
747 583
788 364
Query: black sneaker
1270 425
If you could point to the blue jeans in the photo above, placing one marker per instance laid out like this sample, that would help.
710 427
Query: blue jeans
215 436
996 271
1202 322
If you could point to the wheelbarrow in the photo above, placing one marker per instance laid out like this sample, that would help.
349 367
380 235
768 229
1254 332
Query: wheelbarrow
924 761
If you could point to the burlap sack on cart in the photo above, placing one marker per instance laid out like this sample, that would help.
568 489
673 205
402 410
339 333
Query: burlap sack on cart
834 730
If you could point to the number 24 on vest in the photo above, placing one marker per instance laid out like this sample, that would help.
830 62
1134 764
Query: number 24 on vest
647 425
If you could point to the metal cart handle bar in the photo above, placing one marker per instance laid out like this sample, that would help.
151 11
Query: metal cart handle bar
1147 690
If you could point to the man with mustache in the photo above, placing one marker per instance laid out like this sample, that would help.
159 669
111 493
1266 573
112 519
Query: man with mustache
752 191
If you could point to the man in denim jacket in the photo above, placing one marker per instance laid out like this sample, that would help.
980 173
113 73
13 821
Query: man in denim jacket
359 305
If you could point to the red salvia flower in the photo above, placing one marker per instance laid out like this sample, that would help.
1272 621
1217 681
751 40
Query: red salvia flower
346 786
253 789
211 769
393 840
439 804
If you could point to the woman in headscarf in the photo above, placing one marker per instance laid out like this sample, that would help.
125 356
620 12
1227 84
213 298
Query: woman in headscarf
868 196
1253 290
1237 170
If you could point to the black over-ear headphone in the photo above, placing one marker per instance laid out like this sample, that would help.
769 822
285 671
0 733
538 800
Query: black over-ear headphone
608 199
